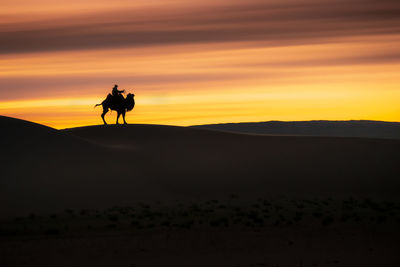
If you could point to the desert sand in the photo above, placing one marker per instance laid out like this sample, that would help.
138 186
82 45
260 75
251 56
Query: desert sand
45 172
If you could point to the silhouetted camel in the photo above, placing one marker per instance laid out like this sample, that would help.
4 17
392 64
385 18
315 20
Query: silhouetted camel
119 104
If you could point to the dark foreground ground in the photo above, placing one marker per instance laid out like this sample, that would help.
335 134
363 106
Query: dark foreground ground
234 232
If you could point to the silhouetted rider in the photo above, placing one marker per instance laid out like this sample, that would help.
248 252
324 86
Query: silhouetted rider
115 91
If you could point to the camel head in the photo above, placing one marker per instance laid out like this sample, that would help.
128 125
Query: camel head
130 102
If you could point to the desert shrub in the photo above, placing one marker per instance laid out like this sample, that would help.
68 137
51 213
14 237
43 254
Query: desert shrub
377 207
233 196
255 217
7 232
249 224
184 213
389 204
134 222
327 220
239 214
210 210
150 225
18 219
52 231
195 208
266 202
317 214
309 201
144 206
214 223
187 224
115 208
113 217
357 217
345 217
219 222
111 226
381 218
327 201
299 214
237 220
84 212
166 223
298 217
149 215
124 211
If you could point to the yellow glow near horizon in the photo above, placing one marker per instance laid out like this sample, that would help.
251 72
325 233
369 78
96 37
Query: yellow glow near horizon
216 108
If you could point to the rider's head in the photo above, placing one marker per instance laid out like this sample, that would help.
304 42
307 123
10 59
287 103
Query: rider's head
115 85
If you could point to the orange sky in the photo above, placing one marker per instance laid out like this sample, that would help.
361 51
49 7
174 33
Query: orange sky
196 62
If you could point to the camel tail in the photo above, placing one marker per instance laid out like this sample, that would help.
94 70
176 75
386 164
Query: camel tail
97 105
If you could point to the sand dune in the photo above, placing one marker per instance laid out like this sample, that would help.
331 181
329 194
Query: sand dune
223 161
44 169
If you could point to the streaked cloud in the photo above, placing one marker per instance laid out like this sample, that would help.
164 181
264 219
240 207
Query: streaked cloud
274 22
193 62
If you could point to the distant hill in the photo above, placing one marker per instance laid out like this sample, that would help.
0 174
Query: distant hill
363 128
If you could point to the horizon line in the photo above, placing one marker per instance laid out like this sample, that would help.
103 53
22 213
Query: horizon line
208 124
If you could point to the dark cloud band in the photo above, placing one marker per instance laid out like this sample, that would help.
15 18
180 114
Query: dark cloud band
274 22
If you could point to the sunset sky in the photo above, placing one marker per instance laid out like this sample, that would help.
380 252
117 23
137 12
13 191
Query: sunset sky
200 61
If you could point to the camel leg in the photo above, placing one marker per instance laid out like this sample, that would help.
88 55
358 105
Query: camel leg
123 116
119 114
104 113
